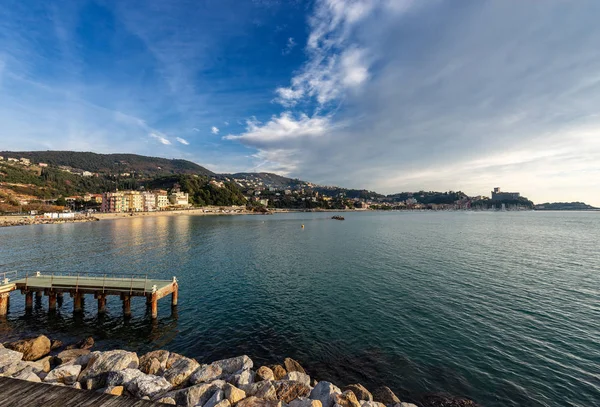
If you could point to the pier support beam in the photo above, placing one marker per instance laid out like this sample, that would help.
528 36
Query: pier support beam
126 305
28 301
175 295
78 302
59 299
101 303
4 298
52 301
154 306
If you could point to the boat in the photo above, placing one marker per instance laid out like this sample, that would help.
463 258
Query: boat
337 217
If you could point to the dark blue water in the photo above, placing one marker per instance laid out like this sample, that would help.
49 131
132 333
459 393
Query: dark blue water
503 308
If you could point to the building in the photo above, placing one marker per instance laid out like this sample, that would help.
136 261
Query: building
87 174
135 201
179 198
11 159
41 164
25 161
95 198
149 201
264 202
162 199
113 202
1 158
498 195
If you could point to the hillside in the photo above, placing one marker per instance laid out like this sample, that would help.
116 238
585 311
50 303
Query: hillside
111 163
268 179
564 206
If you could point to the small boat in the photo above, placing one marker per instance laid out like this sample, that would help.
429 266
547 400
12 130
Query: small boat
337 217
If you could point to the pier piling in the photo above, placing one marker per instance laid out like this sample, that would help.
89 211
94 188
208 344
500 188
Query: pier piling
126 305
4 299
52 301
28 301
78 302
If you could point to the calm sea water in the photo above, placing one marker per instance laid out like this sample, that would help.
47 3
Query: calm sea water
503 308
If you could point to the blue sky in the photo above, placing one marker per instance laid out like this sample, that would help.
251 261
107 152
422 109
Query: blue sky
390 95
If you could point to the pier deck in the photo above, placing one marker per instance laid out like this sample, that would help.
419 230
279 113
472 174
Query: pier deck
77 285
21 393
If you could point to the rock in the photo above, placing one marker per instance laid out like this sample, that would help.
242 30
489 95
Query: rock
66 374
366 403
194 395
44 364
29 375
233 394
206 373
253 401
242 378
114 390
264 373
173 357
359 391
150 361
215 399
325 392
76 385
292 366
299 377
105 362
234 365
32 348
148 386
86 343
305 402
55 344
84 359
70 354
346 399
407 405
223 403
180 371
278 371
263 390
385 395
288 390
122 377
166 400
36 367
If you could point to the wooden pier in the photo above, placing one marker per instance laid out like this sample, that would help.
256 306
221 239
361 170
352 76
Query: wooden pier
55 285
21 393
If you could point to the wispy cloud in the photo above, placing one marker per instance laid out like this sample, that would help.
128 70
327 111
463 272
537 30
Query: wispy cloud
196 129
289 46
161 139
183 141
214 130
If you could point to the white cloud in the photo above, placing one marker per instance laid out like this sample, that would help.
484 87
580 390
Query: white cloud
226 123
183 141
289 46
161 139
196 129
214 130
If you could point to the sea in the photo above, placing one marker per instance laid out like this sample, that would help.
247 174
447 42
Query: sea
500 307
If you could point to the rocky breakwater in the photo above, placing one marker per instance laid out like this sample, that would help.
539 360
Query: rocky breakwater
6 221
171 378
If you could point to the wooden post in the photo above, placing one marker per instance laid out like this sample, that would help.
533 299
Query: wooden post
78 302
174 295
101 304
52 301
59 299
126 305
28 300
154 306
4 298
38 294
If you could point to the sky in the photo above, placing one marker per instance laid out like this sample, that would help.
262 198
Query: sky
387 95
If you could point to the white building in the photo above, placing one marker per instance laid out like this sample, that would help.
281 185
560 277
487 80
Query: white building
179 199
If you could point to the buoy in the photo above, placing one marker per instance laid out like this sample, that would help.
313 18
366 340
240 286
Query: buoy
302 226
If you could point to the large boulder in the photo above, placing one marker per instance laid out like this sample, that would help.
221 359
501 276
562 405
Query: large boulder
385 395
148 386
86 343
234 365
346 399
154 362
66 374
293 366
29 375
173 357
31 348
360 391
70 354
278 371
180 371
325 392
264 373
233 394
122 377
253 401
242 378
9 357
206 374
215 399
305 402
288 390
98 367
298 377
194 395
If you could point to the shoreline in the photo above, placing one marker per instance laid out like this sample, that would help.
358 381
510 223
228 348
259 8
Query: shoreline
170 378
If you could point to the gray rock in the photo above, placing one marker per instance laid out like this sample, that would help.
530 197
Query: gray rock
359 391
385 395
105 362
29 375
180 371
66 374
149 386
299 377
122 377
154 362
253 401
215 399
71 355
8 357
293 366
288 390
194 395
324 392
206 373
234 365
242 378
263 390
305 402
